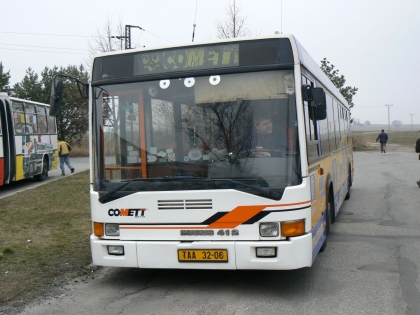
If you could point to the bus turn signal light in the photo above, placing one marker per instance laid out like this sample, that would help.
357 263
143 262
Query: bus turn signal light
98 229
293 228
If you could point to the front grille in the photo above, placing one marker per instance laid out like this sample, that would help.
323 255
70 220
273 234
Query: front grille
189 204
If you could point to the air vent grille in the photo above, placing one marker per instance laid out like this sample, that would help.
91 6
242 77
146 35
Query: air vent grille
188 204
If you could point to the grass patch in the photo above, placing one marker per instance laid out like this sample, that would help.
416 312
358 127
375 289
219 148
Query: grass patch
361 139
44 234
360 143
82 150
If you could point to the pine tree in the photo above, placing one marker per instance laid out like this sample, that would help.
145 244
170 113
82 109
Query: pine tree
4 79
73 121
30 88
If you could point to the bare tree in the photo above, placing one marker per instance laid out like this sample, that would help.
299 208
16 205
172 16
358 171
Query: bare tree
234 25
105 39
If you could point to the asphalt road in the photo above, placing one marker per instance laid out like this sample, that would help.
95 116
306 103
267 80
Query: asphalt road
370 266
79 163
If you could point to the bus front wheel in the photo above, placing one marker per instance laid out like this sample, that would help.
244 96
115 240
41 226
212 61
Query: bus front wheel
328 218
348 185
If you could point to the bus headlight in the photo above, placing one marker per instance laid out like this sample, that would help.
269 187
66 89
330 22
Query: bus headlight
112 229
270 229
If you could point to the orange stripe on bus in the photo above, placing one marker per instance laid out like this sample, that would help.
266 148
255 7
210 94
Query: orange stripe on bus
288 204
242 214
122 227
236 217
230 220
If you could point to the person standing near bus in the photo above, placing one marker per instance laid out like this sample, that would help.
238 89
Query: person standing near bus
383 139
64 155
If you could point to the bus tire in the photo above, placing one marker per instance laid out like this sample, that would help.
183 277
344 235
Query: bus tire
44 173
348 185
328 218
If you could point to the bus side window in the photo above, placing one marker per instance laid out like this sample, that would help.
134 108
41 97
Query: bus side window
310 126
42 119
324 129
331 125
51 124
18 116
30 118
27 129
42 124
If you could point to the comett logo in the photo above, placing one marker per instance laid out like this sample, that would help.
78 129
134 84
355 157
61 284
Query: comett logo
138 212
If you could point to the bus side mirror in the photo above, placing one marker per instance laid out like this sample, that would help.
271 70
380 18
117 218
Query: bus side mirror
316 95
306 93
56 98
319 104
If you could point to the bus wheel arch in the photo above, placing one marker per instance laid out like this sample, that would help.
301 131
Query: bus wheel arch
329 211
330 204
349 184
44 172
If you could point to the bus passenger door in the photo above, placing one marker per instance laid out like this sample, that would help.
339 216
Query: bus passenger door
7 143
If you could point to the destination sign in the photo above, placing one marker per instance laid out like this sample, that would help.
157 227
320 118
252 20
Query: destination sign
186 59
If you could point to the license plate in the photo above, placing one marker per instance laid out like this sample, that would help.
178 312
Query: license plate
202 255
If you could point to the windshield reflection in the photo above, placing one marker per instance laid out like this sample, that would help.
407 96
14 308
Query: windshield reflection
240 127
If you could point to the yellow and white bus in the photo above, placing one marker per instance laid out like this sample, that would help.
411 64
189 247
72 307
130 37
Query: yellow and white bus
28 140
232 154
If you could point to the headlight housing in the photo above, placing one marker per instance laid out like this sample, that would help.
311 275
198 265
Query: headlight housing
293 228
269 229
112 229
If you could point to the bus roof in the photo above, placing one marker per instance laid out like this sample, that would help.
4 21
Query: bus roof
15 99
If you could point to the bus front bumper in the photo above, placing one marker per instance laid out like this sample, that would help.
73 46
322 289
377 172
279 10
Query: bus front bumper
294 253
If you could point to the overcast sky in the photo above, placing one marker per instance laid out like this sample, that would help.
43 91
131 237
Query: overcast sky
375 44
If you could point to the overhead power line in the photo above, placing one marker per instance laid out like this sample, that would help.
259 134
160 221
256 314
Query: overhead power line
158 36
44 34
44 47
69 35
45 51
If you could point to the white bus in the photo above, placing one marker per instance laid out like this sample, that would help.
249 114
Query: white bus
28 140
232 154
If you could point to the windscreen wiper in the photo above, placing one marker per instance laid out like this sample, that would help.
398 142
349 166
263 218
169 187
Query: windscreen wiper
109 194
266 193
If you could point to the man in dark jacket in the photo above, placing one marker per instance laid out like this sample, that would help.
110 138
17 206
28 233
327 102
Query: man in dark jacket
383 139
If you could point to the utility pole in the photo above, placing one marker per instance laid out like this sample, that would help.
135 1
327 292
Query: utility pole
389 121
281 16
127 36
411 121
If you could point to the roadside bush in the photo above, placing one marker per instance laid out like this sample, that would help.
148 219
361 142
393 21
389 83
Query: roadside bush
360 143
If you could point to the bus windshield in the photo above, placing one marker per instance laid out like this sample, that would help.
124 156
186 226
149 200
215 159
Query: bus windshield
230 131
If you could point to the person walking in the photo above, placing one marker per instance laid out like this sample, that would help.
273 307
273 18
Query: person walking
383 139
64 154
